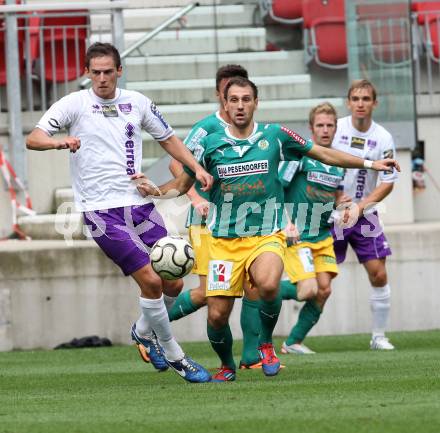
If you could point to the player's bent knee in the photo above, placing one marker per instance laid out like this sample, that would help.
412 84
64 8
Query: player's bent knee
378 279
217 318
324 293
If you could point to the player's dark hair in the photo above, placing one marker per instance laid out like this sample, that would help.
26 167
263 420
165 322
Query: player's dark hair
229 71
99 49
324 108
362 84
241 82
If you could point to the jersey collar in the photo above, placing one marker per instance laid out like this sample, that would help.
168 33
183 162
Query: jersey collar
238 139
105 101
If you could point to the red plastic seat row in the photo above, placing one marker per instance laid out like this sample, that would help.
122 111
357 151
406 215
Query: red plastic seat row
325 37
428 16
63 42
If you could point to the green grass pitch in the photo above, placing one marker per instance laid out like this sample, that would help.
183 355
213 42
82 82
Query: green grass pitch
343 388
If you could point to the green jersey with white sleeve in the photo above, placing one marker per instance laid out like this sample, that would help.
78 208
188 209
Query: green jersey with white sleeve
310 198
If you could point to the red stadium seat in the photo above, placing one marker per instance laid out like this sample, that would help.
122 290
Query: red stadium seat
428 16
325 37
64 45
286 11
388 32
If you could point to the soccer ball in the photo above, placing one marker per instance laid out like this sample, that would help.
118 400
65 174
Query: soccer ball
172 257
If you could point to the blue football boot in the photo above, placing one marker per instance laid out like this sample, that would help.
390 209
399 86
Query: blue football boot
152 348
190 370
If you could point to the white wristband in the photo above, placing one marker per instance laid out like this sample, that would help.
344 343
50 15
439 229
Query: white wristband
368 163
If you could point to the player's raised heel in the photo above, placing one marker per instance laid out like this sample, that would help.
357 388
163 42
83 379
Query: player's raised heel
190 370
380 343
224 374
152 349
269 361
298 349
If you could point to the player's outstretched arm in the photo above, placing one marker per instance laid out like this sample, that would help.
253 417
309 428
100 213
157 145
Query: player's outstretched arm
342 159
39 140
175 187
175 147
198 202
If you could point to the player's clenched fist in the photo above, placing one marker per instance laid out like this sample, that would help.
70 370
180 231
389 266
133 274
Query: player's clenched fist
72 143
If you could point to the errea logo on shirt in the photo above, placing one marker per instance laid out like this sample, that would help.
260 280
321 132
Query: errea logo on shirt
243 169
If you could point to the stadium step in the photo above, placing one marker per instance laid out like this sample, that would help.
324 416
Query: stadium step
200 17
282 111
203 90
63 225
181 67
197 41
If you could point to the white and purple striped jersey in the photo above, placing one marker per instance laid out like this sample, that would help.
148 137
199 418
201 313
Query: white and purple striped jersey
111 144
376 143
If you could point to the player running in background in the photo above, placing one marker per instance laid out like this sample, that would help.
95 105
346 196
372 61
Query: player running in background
105 125
310 261
247 195
190 301
359 135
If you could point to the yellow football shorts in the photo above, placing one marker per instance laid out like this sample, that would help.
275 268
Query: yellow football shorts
199 236
231 259
306 259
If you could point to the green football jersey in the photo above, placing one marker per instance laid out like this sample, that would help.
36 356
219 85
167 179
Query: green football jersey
208 125
247 194
310 197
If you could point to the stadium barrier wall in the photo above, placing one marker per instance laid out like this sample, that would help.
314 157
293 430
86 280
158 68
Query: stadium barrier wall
51 293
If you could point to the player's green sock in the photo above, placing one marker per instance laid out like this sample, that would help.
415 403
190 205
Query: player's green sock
182 306
308 317
269 312
221 342
288 290
250 325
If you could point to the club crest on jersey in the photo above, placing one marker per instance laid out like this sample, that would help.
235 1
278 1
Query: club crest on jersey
294 135
125 108
243 169
371 144
263 144
255 137
241 150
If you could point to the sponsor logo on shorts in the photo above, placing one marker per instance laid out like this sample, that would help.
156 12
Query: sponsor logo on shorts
329 260
323 178
294 135
243 169
220 273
